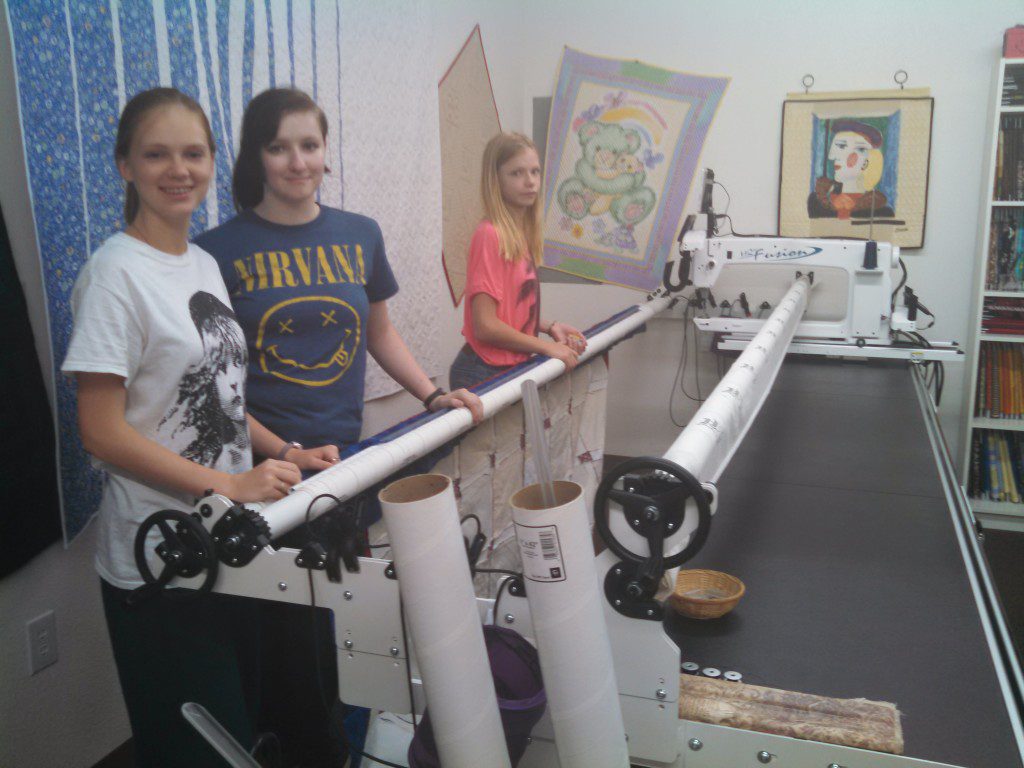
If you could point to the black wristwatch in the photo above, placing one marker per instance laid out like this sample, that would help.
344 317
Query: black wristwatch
432 397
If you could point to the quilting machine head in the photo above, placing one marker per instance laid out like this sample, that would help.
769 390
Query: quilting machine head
855 299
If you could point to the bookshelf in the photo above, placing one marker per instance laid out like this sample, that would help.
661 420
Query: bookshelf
993 460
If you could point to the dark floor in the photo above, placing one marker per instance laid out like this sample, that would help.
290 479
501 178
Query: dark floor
1005 553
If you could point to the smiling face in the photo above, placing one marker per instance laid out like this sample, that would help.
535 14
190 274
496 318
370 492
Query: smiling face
519 180
310 340
849 156
293 163
169 162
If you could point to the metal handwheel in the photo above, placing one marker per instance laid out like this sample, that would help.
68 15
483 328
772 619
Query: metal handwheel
187 550
654 505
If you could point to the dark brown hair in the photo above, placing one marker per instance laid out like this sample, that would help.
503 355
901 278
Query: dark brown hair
260 123
140 105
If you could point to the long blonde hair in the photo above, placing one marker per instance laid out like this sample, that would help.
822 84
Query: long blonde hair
515 241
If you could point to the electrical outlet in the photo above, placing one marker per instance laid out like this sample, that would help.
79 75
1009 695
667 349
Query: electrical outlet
42 642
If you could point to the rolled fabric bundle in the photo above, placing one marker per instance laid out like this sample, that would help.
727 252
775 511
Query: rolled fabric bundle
440 608
568 623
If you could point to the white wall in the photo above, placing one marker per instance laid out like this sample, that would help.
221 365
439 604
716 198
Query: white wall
70 715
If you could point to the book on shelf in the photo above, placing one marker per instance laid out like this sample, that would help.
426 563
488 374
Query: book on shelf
1009 487
974 466
999 390
996 469
1013 86
1003 315
1009 181
1005 268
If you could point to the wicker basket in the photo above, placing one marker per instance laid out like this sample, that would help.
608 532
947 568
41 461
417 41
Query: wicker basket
703 594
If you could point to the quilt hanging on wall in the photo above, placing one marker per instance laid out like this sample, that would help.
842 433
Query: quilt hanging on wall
855 164
624 140
469 118
77 63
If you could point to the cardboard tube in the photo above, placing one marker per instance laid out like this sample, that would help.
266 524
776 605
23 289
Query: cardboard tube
562 587
440 607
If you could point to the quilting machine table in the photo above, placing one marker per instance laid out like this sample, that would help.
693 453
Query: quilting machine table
864 577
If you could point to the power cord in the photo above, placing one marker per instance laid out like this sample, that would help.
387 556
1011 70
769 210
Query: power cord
497 598
725 215
895 293
680 369
680 378
408 665
936 376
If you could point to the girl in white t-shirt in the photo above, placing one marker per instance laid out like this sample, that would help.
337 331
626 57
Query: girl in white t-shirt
160 366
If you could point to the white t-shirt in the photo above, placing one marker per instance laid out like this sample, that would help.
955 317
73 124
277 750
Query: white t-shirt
164 323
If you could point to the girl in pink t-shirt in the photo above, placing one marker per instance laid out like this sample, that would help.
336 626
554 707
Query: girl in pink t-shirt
502 300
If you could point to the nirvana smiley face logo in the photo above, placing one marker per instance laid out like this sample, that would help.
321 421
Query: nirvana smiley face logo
309 340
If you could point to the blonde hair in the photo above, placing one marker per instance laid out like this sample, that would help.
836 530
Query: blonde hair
873 173
515 241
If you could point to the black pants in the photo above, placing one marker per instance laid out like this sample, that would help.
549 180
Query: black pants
299 684
299 672
169 653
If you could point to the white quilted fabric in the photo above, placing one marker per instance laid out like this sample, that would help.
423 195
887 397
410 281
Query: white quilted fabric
392 163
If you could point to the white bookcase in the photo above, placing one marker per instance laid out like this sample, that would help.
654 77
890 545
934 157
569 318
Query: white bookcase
993 281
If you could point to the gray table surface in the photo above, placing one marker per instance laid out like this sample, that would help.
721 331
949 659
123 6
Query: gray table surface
833 515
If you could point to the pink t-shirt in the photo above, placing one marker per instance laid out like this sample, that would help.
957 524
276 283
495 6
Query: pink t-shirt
513 284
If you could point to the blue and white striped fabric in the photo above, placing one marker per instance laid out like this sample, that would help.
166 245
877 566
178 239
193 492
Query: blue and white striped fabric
77 63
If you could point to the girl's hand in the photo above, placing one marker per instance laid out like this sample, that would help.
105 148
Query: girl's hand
562 352
320 457
270 480
564 333
460 398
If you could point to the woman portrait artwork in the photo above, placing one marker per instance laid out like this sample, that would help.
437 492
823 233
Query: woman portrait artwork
212 394
852 165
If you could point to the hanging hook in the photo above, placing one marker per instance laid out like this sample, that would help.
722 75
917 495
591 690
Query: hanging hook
808 81
898 80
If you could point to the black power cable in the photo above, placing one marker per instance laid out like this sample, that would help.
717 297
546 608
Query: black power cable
903 281
936 376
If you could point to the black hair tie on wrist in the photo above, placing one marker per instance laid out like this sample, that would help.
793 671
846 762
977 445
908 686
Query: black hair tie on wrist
432 397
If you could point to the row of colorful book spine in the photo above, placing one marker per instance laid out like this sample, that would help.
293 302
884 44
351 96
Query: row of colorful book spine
997 472
1006 250
1000 391
1013 86
1009 183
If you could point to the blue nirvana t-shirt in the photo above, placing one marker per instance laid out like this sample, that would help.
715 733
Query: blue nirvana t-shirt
302 296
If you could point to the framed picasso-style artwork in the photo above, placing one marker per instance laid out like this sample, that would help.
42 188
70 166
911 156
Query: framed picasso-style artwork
855 165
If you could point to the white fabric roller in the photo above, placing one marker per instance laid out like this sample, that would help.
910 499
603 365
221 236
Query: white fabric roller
440 608
562 587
